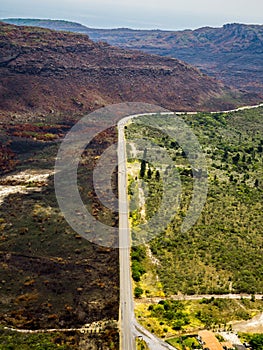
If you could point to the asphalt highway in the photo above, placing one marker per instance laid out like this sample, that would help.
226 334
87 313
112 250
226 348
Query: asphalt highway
129 328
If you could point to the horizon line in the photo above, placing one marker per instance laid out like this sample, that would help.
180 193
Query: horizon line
127 28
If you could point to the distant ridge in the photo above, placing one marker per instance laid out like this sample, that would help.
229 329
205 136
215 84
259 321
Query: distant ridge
232 53
59 24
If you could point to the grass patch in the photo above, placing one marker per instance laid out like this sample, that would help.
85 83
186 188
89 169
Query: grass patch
141 345
11 340
185 343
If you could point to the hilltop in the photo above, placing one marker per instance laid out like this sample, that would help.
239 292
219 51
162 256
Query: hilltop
49 24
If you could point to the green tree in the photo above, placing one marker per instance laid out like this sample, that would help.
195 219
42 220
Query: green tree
157 175
256 341
138 292
236 158
143 168
149 173
225 156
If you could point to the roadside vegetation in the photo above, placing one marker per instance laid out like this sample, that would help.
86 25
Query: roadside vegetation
170 317
183 342
11 340
255 340
141 345
66 340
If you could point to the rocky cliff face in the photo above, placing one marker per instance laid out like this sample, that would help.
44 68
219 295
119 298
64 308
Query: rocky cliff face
233 53
42 71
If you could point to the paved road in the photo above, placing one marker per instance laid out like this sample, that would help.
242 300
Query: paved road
129 328
241 108
126 317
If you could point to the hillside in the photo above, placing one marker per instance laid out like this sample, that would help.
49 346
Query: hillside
50 277
44 71
232 53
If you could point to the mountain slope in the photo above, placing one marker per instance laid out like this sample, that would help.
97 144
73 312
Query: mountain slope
233 53
45 71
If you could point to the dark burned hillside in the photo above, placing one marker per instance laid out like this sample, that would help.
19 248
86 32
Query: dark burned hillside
50 276
232 53
44 71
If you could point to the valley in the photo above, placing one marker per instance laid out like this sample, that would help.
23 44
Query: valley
53 279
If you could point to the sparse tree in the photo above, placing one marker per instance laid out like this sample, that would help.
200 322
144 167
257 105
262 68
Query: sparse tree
236 158
138 292
143 168
149 173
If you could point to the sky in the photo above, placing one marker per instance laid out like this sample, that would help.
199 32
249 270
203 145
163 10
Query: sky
140 14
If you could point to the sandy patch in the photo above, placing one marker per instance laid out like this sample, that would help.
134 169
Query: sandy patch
255 325
23 182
